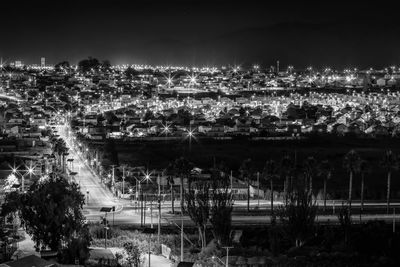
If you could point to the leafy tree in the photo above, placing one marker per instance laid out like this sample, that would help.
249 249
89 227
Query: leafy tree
106 65
221 207
63 65
77 248
58 222
198 208
130 73
134 254
89 64
389 163
298 217
352 164
11 182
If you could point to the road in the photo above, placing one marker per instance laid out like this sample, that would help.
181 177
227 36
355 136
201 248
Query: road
97 195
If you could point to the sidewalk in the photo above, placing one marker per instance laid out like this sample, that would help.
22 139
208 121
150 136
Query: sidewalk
25 248
156 261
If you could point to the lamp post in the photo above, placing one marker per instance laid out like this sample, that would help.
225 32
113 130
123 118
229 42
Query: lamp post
182 236
105 210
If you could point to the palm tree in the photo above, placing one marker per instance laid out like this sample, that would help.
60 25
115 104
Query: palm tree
270 173
352 165
286 167
182 167
310 166
246 172
171 183
60 148
325 169
389 163
364 169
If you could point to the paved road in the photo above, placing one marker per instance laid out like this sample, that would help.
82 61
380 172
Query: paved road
98 195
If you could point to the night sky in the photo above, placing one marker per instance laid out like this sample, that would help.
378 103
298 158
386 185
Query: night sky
329 33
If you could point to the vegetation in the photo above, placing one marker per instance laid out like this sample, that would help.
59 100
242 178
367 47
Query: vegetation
58 225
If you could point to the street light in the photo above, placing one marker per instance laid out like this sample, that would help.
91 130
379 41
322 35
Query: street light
105 210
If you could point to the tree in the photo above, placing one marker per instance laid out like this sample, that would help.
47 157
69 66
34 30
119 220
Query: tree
60 149
364 169
298 217
63 65
89 64
130 73
389 163
133 254
171 183
286 167
310 166
11 183
352 164
345 221
270 173
246 172
105 65
198 208
221 208
58 222
325 169
182 168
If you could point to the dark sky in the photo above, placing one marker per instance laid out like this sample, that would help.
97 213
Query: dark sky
330 33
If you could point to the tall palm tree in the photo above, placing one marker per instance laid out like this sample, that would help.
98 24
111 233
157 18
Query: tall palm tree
286 167
325 169
352 164
171 183
310 166
389 163
182 168
270 173
364 169
246 172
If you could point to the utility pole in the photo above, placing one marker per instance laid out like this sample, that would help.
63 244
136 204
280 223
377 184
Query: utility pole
113 179
227 255
394 220
181 237
123 181
258 189
141 208
159 209
231 182
144 209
